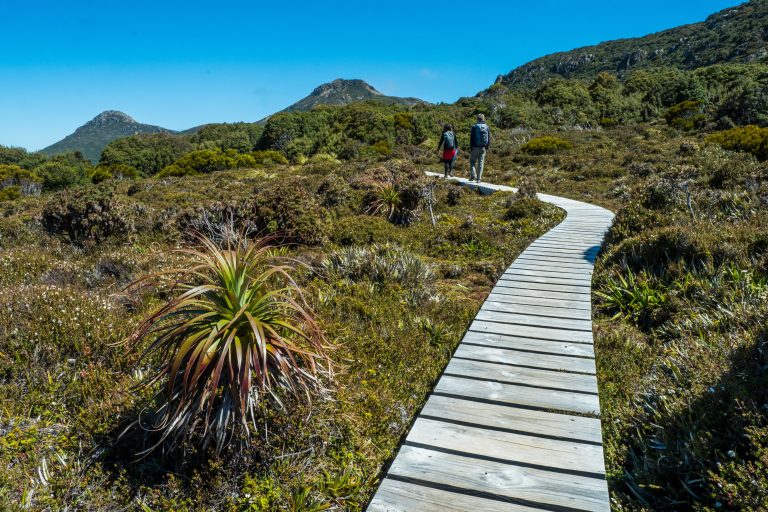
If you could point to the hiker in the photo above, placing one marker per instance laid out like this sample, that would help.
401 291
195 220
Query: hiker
479 142
450 148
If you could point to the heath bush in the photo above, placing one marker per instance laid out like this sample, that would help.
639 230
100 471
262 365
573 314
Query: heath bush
93 214
546 145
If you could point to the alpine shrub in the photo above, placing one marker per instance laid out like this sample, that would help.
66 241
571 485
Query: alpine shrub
92 215
546 145
751 139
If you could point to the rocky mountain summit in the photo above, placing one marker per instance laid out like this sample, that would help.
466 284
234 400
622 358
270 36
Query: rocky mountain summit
343 92
93 136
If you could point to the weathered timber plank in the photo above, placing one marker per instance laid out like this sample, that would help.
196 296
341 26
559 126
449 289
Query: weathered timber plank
520 396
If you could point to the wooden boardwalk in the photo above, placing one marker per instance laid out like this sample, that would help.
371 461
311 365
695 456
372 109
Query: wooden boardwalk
513 424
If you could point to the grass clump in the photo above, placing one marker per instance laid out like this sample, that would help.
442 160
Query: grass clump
384 264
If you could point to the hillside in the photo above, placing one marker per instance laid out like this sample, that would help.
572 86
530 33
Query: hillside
735 35
343 92
91 138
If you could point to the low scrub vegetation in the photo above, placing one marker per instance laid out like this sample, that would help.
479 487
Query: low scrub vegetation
229 351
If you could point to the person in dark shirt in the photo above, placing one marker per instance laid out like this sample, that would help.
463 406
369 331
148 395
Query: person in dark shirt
479 142
450 148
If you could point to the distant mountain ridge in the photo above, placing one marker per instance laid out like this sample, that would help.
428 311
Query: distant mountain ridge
93 136
735 35
343 92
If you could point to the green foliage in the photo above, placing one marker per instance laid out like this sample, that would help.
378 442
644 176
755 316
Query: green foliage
636 297
21 181
57 175
545 145
205 161
269 158
299 221
233 338
147 153
113 172
751 139
686 115
92 215
241 137
565 101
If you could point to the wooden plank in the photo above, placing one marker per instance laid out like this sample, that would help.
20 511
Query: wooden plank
511 297
564 249
536 310
550 269
524 485
531 290
553 363
583 282
519 395
528 331
491 416
522 376
556 256
396 496
547 270
490 315
534 285
580 265
520 344
547 453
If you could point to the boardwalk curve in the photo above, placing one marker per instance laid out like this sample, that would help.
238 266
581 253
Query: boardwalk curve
513 424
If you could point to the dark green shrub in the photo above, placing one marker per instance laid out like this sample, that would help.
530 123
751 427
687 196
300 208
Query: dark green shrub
289 210
751 139
286 210
147 153
524 208
545 145
241 137
686 115
59 175
93 214
334 191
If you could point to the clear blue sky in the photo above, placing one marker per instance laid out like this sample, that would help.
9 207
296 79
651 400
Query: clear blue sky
180 64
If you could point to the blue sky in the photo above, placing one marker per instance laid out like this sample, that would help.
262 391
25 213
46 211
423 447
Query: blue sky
181 64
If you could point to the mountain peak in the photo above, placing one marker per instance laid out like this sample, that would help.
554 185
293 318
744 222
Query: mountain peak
344 91
111 117
341 85
93 136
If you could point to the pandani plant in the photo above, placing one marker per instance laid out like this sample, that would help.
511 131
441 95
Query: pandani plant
235 335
